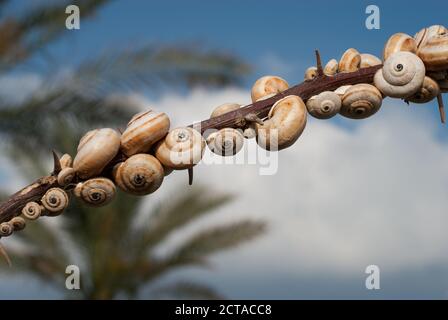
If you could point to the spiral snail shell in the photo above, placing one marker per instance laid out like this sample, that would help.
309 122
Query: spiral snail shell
226 142
18 223
182 148
286 122
325 105
55 200
342 90
399 42
224 108
66 161
310 73
350 61
361 101
268 85
32 210
331 68
6 229
429 90
402 75
66 176
369 60
425 34
139 175
434 53
95 192
96 149
144 129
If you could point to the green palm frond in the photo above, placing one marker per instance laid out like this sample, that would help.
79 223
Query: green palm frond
186 290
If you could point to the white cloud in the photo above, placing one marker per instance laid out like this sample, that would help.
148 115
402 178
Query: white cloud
16 87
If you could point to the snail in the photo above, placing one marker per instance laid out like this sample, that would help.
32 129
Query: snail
427 92
226 142
286 122
182 148
18 223
399 42
331 68
369 60
66 176
6 229
310 73
224 108
268 85
350 61
325 105
96 149
425 34
95 192
434 53
401 76
361 101
66 161
144 129
139 175
55 200
32 210
341 90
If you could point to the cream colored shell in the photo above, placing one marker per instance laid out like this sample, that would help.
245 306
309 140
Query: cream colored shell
425 34
331 68
268 85
427 92
226 142
144 129
18 223
434 53
96 149
224 108
399 42
310 73
32 210
341 90
66 161
325 105
55 200
361 101
66 176
369 60
6 229
95 192
350 61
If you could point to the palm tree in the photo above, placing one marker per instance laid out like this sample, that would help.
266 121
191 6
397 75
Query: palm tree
117 254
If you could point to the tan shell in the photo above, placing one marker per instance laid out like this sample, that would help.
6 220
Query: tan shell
18 223
369 60
361 101
342 90
226 142
182 148
140 174
425 34
55 201
96 149
250 132
399 42
6 229
310 73
331 68
427 92
66 176
95 192
268 85
224 108
402 75
32 210
325 105
66 161
434 53
286 122
350 61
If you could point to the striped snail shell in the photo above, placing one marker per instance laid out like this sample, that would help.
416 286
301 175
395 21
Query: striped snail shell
369 60
6 229
139 175
226 142
310 73
434 53
18 223
402 75
325 105
55 200
224 108
96 149
425 34
182 148
286 122
361 101
32 210
350 61
66 161
399 42
427 92
331 68
268 85
66 176
342 90
144 129
95 192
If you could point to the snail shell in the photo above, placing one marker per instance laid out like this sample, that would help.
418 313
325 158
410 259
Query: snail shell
434 53
224 108
350 61
399 42
331 68
325 105
55 200
268 85
32 210
66 176
361 101
286 122
96 149
139 175
369 60
427 92
342 90
6 229
95 192
144 129
66 161
182 148
250 132
310 73
226 142
425 34
18 223
402 75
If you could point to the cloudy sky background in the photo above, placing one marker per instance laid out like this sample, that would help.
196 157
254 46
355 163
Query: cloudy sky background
347 195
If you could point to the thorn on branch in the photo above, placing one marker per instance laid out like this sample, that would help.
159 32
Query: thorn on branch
190 176
441 108
56 164
320 70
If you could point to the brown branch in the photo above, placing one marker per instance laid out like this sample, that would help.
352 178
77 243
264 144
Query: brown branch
235 119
